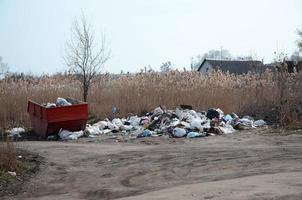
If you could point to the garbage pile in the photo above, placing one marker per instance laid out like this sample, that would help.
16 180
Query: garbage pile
181 122
15 132
60 102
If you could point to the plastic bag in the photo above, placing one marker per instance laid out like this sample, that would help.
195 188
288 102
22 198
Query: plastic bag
227 118
196 134
62 102
196 124
213 113
179 132
93 130
134 121
118 122
259 123
101 124
227 129
158 111
15 132
51 105
68 135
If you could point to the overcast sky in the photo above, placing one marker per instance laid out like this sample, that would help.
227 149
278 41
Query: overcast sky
146 32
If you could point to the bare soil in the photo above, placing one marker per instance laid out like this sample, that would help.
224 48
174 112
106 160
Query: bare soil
258 164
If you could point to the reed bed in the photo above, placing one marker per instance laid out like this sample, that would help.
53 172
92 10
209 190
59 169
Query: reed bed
8 159
274 96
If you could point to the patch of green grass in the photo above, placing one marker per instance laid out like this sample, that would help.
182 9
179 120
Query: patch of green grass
22 168
4 176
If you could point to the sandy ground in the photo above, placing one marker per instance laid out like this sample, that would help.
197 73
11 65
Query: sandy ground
258 164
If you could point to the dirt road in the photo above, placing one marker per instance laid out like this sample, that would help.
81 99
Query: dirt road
246 165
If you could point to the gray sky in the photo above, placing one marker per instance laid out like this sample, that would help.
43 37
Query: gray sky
33 32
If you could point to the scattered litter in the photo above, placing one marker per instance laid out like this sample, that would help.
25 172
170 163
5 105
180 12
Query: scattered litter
92 130
212 113
145 133
117 122
227 118
196 134
179 132
12 173
158 111
181 122
52 137
244 123
259 123
15 132
221 114
68 135
227 129
106 131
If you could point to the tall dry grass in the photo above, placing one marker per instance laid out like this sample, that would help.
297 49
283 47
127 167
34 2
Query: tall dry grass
259 95
8 159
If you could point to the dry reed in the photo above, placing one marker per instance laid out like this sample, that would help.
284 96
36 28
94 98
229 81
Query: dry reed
8 159
258 95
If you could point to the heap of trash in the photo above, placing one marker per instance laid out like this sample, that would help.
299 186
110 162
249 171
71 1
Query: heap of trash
181 122
15 132
60 102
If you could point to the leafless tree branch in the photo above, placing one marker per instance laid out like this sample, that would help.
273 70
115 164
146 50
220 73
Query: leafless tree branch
83 56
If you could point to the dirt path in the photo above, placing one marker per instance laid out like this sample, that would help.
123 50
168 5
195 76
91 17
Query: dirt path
245 165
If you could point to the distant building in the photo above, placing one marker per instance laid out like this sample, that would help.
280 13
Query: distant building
232 66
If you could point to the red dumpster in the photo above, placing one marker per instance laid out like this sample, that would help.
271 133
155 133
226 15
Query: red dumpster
47 121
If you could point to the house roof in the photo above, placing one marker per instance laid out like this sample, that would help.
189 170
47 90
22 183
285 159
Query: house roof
235 66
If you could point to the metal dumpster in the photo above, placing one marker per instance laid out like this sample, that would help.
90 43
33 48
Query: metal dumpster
47 121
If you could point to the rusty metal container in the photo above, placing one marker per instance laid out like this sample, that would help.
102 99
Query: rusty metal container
47 121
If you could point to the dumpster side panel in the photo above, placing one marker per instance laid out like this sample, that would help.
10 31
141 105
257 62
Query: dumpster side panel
38 118
68 113
72 118
39 126
71 125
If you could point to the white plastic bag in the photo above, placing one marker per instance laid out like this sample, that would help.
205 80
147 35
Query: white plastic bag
68 135
101 124
259 123
93 130
15 132
62 102
196 124
227 129
179 132
195 134
117 121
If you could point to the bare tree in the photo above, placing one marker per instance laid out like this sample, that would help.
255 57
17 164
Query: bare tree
83 56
